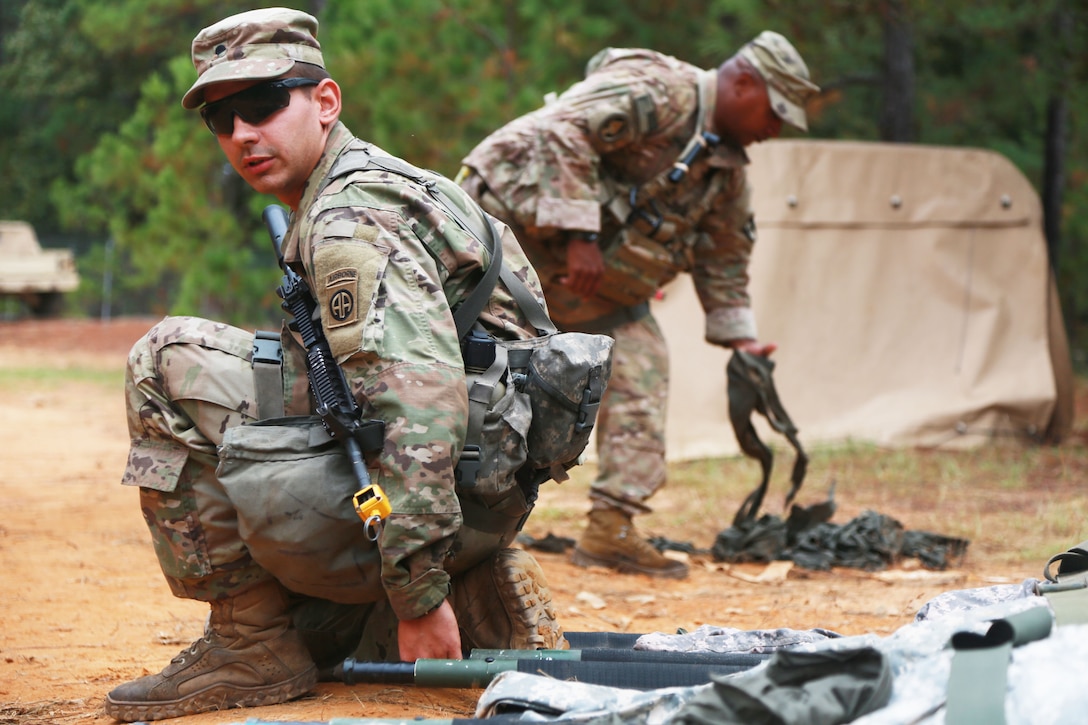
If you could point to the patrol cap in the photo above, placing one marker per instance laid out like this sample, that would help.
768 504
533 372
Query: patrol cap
253 45
786 75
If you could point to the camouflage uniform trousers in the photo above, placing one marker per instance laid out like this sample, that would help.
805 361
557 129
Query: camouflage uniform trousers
188 380
631 420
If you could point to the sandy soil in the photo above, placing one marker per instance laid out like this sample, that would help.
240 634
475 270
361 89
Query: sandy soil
84 607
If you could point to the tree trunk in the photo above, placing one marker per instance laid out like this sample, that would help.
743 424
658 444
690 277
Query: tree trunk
1057 114
897 108
1057 133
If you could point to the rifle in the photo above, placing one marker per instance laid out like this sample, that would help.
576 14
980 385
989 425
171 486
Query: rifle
340 414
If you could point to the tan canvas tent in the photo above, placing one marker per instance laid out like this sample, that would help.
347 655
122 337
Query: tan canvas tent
909 292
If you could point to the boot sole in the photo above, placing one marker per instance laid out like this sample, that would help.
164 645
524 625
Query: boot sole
537 615
580 557
216 697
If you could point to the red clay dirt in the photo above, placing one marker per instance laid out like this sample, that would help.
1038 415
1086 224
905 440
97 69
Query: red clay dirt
84 606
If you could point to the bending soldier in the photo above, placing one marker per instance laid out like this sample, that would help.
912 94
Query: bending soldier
631 176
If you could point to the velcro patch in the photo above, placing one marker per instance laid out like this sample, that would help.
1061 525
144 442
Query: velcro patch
347 276
646 113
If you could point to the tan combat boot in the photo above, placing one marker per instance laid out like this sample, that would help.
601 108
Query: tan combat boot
248 656
504 603
610 540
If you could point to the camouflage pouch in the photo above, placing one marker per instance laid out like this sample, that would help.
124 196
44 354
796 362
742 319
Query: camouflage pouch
636 267
502 441
565 378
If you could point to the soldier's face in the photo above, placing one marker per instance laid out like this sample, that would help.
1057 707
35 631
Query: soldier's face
743 112
276 154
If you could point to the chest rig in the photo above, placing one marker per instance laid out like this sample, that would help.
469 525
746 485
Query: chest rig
649 229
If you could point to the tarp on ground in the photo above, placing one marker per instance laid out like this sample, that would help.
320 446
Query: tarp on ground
909 291
1040 681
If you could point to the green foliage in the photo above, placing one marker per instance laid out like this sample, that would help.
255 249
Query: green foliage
92 138
71 72
427 79
179 221
39 139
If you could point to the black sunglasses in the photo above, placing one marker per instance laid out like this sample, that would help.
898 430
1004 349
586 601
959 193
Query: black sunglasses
253 105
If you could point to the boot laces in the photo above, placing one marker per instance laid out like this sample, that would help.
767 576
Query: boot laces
628 533
191 650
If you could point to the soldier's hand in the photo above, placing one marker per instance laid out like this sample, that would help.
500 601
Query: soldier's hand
755 347
585 267
432 636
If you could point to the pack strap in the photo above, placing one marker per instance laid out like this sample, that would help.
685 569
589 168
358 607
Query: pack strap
1071 564
480 226
530 306
635 207
481 391
1066 590
267 361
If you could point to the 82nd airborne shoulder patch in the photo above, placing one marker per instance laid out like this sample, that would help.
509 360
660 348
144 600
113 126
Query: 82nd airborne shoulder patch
341 286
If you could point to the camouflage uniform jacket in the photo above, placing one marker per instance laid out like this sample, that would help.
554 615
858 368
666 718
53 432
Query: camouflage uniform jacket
382 260
574 163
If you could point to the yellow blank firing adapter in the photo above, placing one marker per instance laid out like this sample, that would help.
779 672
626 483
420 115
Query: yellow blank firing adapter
372 507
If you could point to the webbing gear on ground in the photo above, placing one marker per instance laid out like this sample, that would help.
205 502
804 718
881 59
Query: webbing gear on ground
751 389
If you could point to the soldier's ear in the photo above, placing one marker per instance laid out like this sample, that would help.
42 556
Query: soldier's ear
327 94
746 81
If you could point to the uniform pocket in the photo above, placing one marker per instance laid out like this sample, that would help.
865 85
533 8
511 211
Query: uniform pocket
170 511
292 487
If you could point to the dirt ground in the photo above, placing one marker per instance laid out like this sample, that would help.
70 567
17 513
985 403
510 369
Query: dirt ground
84 606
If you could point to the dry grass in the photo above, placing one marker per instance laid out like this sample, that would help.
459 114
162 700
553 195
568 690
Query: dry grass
45 712
1018 504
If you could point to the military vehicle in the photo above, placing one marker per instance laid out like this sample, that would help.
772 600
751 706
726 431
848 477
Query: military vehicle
39 277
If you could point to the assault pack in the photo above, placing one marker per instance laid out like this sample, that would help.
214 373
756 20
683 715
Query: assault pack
544 391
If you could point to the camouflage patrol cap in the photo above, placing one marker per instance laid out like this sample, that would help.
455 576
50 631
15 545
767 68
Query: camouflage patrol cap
788 83
254 45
